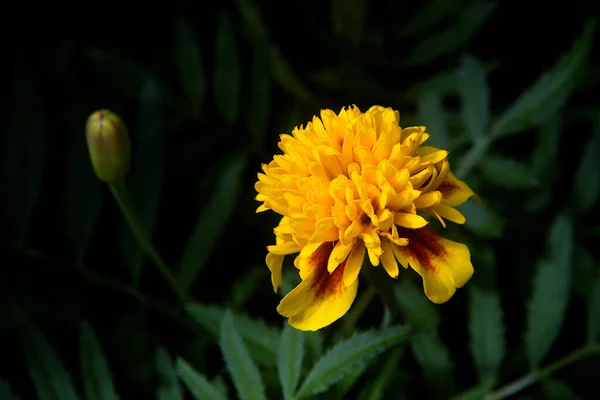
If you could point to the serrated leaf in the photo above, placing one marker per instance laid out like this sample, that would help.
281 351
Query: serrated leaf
586 183
243 371
189 63
168 387
227 73
260 95
347 355
435 362
262 340
51 379
548 304
377 387
97 380
431 111
487 333
196 383
483 220
507 173
212 221
549 92
474 96
289 360
428 16
415 308
453 38
146 175
6 393
554 389
25 151
593 323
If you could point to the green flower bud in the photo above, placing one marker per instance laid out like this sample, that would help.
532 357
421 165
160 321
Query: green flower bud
109 146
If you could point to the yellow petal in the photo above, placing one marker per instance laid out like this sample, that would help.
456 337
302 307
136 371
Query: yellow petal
443 264
388 260
454 191
353 263
320 299
427 200
275 262
339 254
450 213
284 248
326 231
412 221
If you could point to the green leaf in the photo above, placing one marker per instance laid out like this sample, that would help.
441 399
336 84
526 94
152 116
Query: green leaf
429 15
260 95
432 114
548 304
189 62
227 73
377 387
594 312
6 393
52 381
25 150
348 355
483 220
542 99
168 387
584 271
474 95
96 376
507 173
242 369
212 221
557 390
487 333
246 286
476 393
262 340
146 175
196 383
289 359
453 38
586 183
435 362
416 309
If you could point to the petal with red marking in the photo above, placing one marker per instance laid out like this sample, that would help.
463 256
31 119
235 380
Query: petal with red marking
454 191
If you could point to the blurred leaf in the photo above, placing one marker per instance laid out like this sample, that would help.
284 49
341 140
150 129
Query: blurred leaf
227 73
347 19
487 333
586 183
376 388
314 346
416 309
97 380
196 383
25 151
146 176
550 297
483 220
432 114
453 38
188 57
5 392
557 390
243 371
289 360
476 393
435 362
246 286
169 387
262 340
260 95
83 193
347 355
474 95
542 99
212 221
507 173
584 271
594 312
428 16
52 381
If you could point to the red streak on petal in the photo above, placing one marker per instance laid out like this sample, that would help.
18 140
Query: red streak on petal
423 244
447 188
323 283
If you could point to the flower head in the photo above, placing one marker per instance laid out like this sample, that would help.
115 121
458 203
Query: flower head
351 184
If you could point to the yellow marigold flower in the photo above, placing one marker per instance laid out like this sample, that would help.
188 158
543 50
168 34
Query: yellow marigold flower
356 183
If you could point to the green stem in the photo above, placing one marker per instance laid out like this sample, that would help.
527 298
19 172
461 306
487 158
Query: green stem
384 285
534 376
357 310
120 193
472 157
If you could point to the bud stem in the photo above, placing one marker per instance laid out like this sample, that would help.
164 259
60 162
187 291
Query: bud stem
121 196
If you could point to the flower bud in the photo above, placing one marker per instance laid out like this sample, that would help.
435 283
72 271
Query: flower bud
109 146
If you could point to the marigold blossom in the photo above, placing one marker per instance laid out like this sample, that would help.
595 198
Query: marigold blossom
351 184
